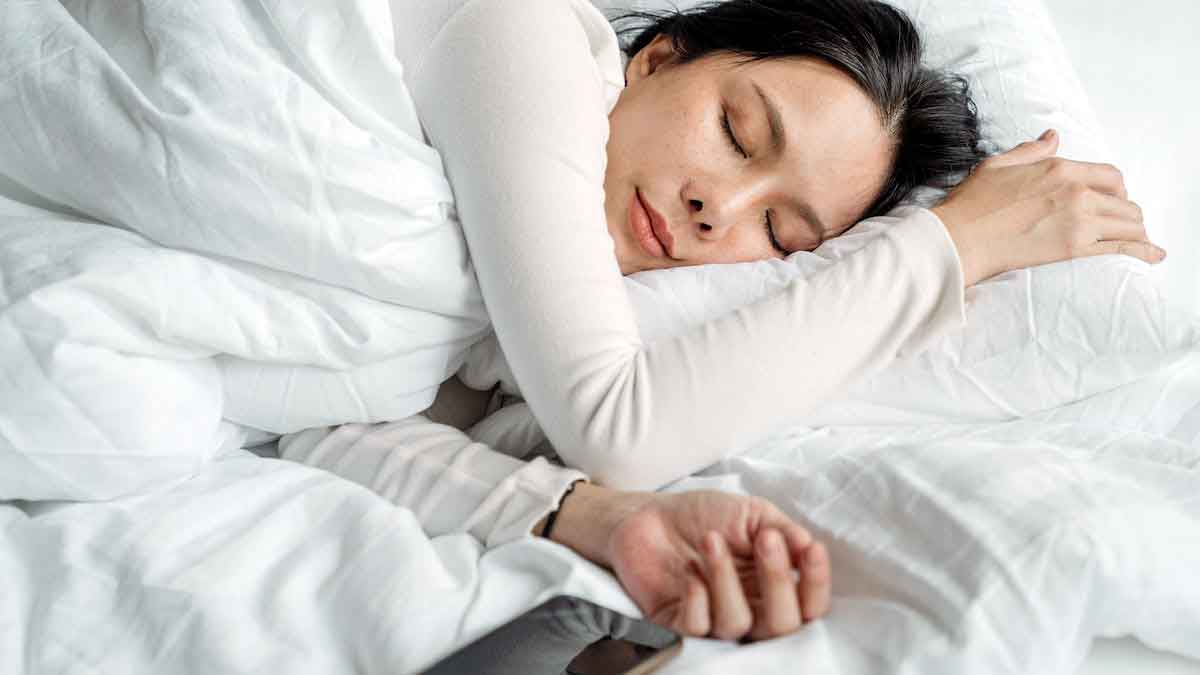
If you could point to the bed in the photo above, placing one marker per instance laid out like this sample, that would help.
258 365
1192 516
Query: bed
1019 497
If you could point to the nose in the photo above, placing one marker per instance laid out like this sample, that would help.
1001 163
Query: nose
716 211
697 207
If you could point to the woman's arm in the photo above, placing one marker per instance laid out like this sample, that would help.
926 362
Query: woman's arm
509 94
655 544
450 482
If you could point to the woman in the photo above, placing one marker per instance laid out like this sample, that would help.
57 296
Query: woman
695 154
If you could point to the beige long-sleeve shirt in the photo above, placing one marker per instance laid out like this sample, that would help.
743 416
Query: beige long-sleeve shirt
514 94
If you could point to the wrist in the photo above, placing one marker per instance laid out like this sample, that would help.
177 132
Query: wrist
964 245
588 517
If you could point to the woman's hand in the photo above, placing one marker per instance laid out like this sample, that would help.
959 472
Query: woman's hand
703 563
1027 207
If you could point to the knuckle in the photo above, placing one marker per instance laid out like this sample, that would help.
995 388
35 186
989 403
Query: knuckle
1072 198
1077 191
1057 166
1079 198
759 504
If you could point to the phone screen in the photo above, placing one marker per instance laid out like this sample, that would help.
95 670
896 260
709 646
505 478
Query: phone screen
656 658
622 656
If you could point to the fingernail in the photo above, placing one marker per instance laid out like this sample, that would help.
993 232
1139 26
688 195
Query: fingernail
1162 253
1046 135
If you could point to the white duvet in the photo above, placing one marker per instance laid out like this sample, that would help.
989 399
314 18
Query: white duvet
183 254
274 246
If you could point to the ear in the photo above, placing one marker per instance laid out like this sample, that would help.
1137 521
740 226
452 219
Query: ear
659 53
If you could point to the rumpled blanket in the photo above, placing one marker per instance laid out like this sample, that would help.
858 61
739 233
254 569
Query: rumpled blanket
216 211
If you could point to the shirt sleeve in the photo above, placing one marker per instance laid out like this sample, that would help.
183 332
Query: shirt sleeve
450 482
516 110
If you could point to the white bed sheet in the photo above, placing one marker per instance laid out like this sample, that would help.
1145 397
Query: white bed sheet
1126 655
256 565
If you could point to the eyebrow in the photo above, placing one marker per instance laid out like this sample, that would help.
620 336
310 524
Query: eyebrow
778 138
778 142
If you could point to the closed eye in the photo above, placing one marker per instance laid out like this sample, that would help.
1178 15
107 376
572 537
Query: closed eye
766 214
729 134
771 235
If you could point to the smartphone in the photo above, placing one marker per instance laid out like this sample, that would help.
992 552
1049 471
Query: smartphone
621 656
534 643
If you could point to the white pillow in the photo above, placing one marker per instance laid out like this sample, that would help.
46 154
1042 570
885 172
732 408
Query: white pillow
1034 339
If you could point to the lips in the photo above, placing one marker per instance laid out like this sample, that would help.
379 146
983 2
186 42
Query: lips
650 228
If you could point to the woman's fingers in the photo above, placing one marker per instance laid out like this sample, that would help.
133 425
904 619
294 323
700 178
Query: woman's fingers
1104 178
731 615
1118 207
1101 177
694 618
816 582
808 557
1120 228
798 538
1122 236
779 607
1027 152
1142 250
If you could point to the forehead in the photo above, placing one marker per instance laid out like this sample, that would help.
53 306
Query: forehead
837 150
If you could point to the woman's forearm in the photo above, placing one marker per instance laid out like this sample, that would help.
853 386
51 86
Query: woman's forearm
448 481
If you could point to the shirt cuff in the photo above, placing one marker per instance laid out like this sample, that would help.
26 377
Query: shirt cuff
537 489
936 268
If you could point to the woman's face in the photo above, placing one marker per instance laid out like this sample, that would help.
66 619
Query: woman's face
669 149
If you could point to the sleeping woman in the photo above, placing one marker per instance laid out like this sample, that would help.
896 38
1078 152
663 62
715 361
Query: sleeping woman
737 131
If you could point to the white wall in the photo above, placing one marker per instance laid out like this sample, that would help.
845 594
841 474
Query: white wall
1140 64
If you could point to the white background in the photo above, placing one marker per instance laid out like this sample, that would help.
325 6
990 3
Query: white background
1140 66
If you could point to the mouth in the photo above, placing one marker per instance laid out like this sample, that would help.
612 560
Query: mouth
649 228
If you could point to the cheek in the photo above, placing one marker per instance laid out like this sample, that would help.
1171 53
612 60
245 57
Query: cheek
665 130
742 245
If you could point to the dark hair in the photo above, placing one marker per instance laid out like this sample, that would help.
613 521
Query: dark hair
929 114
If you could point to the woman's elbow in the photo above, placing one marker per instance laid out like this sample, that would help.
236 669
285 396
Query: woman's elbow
611 467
